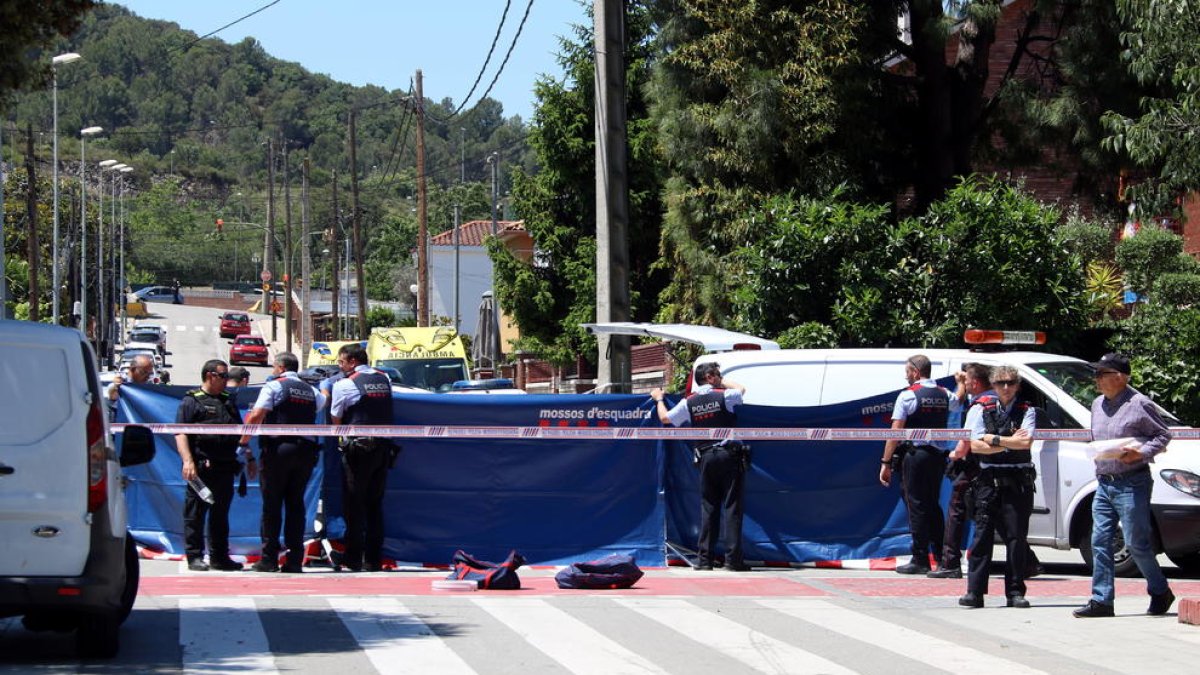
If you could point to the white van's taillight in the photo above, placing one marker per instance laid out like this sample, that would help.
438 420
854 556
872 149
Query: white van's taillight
97 459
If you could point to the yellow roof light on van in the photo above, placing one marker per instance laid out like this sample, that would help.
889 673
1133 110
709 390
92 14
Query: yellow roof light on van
977 336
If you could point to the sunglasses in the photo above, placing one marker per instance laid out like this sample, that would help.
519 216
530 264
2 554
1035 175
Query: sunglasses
223 376
1006 383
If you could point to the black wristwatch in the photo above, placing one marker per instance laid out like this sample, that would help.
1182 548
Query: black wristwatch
995 440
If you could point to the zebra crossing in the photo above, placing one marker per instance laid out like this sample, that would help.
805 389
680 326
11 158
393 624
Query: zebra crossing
510 633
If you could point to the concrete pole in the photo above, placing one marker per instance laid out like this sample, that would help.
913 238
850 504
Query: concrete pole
612 195
422 225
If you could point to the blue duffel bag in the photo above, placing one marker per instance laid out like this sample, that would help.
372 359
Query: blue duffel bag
611 571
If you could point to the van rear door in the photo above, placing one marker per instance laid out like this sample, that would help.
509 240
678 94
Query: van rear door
43 451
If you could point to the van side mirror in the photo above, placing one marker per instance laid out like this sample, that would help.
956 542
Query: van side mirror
137 446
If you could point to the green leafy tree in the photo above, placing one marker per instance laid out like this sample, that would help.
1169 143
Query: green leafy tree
552 292
1164 342
1149 254
29 26
1163 53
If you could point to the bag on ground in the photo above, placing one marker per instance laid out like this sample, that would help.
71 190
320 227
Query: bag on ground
488 575
611 571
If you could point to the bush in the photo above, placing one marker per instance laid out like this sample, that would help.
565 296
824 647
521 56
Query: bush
1091 240
380 317
1147 255
810 335
1164 343
1177 289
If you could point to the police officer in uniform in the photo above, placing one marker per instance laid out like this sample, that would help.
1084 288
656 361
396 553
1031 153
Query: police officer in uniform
287 462
363 397
923 405
1001 435
213 458
722 464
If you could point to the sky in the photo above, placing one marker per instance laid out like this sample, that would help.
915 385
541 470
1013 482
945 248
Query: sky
384 42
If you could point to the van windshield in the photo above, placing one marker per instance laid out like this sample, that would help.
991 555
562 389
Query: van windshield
1076 379
431 374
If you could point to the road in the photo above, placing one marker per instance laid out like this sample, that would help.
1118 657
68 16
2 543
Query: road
192 339
674 621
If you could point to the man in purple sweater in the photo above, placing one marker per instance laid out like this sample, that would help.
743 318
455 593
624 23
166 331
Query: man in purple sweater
1123 486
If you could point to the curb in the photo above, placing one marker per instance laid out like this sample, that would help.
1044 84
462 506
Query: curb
1189 611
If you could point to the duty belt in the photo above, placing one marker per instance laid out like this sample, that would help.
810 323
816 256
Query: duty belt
1022 465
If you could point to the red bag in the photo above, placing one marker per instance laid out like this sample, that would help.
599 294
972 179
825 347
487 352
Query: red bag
488 575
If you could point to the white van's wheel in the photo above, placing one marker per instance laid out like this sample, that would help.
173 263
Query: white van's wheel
98 636
132 578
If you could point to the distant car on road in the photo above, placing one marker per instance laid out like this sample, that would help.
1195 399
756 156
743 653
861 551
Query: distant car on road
142 336
234 324
158 294
248 349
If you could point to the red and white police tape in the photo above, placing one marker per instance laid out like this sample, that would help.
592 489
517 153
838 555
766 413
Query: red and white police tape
599 433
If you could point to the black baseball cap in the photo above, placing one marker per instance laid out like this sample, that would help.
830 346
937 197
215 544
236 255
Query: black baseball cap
1112 361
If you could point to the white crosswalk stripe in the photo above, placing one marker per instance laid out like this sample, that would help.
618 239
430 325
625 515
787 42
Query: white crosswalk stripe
395 639
886 635
222 635
761 652
564 638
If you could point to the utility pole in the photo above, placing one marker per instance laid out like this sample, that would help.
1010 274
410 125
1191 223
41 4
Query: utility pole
494 349
355 220
422 226
34 246
335 256
269 241
305 262
288 273
3 267
612 195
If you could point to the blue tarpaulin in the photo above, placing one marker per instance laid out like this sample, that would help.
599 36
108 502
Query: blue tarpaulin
560 501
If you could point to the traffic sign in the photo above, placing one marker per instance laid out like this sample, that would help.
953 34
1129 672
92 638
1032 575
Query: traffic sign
265 276
266 287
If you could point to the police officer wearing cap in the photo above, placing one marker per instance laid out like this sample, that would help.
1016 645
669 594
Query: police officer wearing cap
723 464
1001 436
287 462
923 405
213 458
363 397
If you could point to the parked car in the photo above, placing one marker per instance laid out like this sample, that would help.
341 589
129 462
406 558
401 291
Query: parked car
68 563
139 336
139 326
159 294
248 349
234 324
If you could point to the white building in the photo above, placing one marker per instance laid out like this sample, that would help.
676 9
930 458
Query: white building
474 271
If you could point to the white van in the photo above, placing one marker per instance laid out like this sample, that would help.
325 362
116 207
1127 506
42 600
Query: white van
68 561
1061 386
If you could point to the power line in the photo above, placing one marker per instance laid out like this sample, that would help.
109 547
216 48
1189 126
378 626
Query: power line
187 45
511 46
486 61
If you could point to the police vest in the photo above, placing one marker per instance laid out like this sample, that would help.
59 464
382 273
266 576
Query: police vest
997 421
214 410
708 410
374 405
299 406
933 408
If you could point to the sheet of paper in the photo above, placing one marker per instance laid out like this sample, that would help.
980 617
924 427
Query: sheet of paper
1110 449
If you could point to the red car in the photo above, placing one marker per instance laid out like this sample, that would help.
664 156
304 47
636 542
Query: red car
248 348
234 324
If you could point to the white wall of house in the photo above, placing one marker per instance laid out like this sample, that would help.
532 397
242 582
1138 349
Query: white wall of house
475 277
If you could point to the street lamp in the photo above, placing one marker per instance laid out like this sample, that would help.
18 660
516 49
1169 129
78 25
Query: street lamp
83 310
119 278
55 62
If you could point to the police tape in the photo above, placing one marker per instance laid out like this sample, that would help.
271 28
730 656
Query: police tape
608 433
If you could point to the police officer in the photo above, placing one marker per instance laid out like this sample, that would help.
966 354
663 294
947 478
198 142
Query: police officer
287 461
923 405
1001 435
213 458
363 397
974 382
722 464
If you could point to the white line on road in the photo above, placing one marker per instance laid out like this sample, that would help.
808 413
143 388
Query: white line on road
578 647
223 635
757 650
906 642
395 639
181 327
